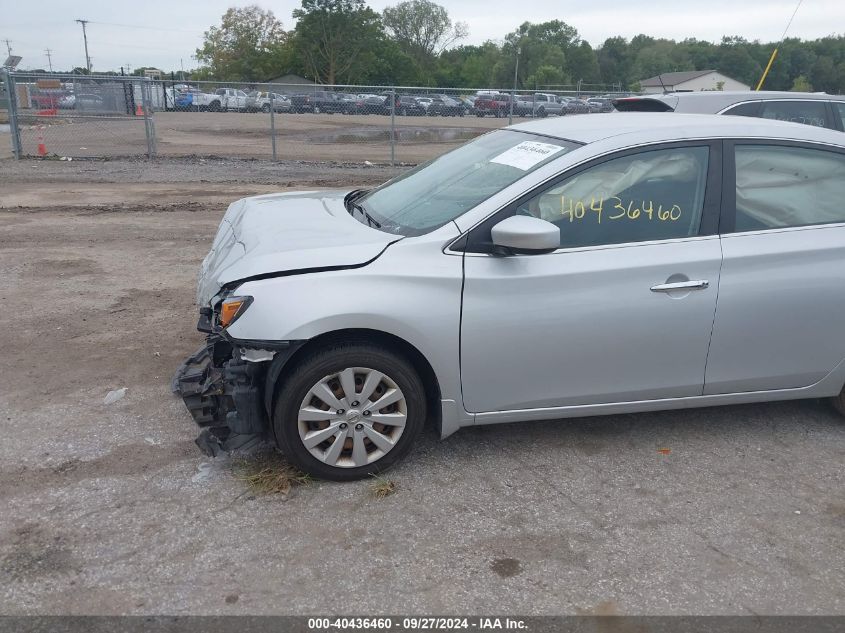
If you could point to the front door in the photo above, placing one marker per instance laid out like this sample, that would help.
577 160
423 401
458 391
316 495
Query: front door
623 311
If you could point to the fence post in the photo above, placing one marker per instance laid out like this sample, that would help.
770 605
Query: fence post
273 125
149 126
14 130
393 127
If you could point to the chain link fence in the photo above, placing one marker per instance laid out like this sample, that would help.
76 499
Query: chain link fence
97 116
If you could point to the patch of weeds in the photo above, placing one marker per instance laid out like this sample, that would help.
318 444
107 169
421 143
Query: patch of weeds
268 474
382 487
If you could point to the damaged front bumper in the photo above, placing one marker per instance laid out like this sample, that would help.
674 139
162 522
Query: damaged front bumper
223 385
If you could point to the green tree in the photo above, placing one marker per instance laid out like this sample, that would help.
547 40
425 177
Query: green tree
614 60
337 39
543 44
249 45
422 29
801 84
824 76
660 56
583 63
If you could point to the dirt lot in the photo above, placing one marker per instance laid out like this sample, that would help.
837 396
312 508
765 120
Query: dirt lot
334 137
111 509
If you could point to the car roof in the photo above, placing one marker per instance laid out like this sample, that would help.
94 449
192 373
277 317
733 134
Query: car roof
745 94
668 126
713 101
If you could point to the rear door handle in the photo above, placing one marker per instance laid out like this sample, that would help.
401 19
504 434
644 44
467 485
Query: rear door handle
700 284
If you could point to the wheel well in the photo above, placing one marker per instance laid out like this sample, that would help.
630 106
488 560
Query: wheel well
394 343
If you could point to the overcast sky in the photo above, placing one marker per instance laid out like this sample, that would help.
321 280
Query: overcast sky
125 33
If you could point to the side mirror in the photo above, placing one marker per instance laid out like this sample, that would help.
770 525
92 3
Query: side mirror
525 235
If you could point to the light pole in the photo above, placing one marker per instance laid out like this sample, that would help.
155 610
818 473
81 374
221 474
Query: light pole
513 92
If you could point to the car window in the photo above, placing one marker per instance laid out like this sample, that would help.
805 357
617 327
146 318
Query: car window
839 110
780 187
744 109
806 112
652 195
439 191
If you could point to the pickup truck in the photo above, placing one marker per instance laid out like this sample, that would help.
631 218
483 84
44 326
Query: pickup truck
539 104
222 99
497 104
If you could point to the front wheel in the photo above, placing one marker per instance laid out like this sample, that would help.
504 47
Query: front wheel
266 108
348 411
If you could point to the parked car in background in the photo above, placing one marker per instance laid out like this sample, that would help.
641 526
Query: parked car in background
229 99
321 101
539 104
67 102
258 101
372 104
577 106
444 105
87 101
407 105
425 102
469 104
497 105
810 108
560 268
221 100
599 104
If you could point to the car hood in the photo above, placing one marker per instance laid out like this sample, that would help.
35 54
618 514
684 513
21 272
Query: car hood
287 232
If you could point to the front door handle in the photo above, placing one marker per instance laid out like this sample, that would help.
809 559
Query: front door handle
700 284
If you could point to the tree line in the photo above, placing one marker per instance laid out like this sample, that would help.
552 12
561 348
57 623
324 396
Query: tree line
416 43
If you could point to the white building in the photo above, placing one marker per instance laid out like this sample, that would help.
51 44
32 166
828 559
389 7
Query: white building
690 80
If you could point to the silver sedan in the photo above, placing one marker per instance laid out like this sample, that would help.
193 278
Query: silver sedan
559 268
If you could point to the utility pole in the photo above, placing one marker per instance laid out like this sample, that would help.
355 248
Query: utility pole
513 92
85 37
8 47
49 58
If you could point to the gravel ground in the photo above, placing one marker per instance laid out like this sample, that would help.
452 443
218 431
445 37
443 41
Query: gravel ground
111 509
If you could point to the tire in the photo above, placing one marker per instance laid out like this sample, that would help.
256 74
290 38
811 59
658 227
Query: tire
214 106
266 108
541 113
404 112
323 367
838 402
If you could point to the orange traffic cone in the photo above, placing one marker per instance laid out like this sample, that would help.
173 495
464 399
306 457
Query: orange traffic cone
42 148
139 111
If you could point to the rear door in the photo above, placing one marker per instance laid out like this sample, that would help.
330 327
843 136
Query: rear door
782 291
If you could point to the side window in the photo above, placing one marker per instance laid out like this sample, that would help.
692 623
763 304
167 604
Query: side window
653 195
806 112
839 110
779 187
744 109
220 92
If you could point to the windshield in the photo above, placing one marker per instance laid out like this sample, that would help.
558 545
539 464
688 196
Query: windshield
437 192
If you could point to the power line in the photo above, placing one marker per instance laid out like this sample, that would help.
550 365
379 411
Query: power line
775 51
142 26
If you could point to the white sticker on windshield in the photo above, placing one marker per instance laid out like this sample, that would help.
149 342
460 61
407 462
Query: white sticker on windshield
527 154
